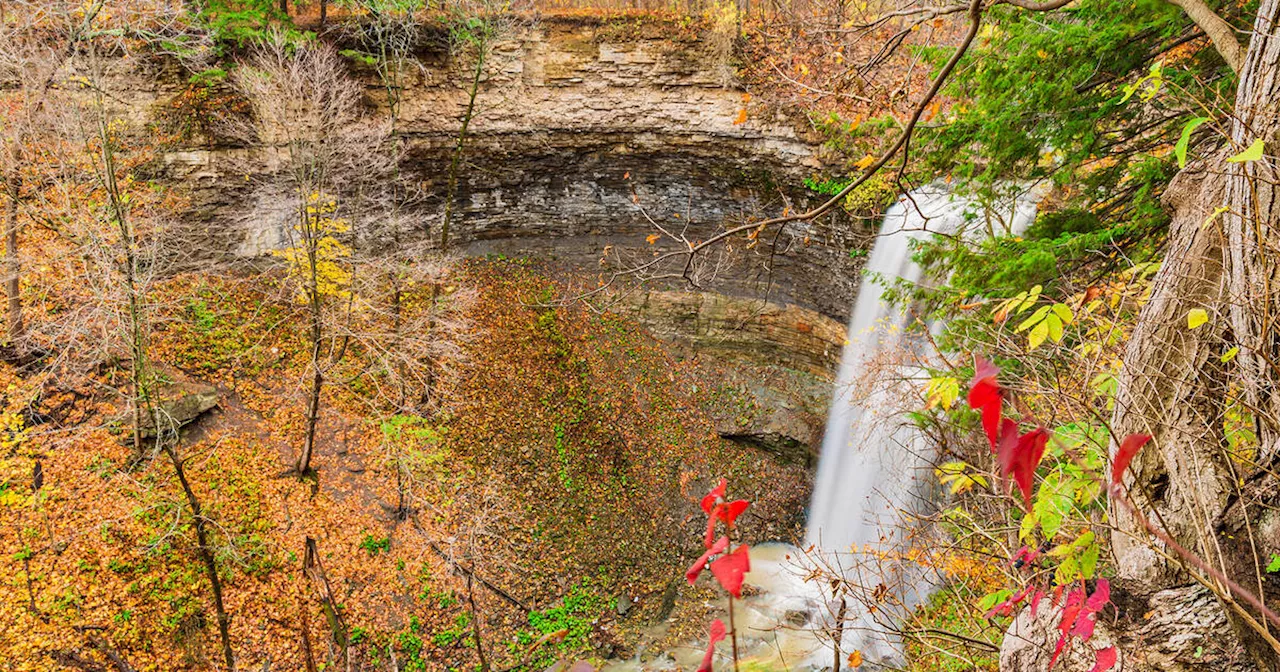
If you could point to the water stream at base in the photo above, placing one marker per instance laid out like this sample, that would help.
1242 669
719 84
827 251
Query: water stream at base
874 467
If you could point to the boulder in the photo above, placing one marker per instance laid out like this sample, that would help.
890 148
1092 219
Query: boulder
1029 643
1180 629
179 404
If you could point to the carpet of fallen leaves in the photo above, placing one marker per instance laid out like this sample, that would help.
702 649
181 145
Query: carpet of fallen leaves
567 465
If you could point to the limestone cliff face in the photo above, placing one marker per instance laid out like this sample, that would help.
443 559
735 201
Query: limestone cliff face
586 135
580 136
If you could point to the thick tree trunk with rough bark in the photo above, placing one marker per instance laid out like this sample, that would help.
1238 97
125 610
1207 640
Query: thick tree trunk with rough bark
1224 257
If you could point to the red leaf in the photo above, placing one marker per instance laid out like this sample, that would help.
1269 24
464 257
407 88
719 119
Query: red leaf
711 532
1079 616
1027 456
1007 452
1100 597
1025 557
730 568
1124 455
983 370
1070 613
984 394
716 493
696 568
730 512
716 633
1035 602
1088 615
1006 608
1084 625
1104 659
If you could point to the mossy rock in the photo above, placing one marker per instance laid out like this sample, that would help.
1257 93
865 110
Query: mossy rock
871 198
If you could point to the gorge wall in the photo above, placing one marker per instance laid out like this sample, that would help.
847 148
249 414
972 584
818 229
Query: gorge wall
587 135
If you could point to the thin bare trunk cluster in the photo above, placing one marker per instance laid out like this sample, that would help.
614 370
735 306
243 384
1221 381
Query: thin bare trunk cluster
304 108
70 134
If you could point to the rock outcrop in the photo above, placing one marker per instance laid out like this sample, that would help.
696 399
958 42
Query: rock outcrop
588 134
1176 630
180 404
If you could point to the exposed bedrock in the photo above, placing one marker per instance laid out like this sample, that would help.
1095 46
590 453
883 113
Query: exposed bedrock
587 139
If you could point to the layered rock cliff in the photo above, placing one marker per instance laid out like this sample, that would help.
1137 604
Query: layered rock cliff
587 135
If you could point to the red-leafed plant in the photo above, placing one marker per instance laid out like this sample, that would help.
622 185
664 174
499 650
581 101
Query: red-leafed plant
1018 456
729 562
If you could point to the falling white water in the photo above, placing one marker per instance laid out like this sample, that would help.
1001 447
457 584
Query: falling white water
874 467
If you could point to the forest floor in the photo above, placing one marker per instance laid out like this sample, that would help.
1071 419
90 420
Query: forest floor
562 474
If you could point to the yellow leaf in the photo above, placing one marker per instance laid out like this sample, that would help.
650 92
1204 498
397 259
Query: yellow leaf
864 162
1230 354
1196 317
855 659
1253 153
1037 335
942 391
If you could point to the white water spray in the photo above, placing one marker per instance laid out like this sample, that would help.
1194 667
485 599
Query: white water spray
874 468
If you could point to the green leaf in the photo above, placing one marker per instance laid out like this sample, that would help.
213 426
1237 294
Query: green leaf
1274 565
1253 153
1038 334
992 599
1035 317
1055 327
1089 561
1196 317
1230 354
1180 150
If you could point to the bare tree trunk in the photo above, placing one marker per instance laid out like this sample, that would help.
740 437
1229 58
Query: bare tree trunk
313 568
324 12
12 286
316 331
206 557
308 656
460 147
1164 389
136 337
1222 257
1253 243
284 7
475 625
313 403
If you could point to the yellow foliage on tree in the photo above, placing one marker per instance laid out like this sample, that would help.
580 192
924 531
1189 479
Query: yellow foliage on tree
319 259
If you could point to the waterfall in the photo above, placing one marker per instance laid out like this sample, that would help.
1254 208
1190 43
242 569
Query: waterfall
874 465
